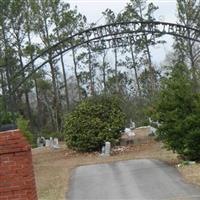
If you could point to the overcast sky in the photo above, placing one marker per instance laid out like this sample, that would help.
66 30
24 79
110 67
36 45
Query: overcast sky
93 9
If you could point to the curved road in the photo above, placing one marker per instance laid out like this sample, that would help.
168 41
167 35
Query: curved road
135 179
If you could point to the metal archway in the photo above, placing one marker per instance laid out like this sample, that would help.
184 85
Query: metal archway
113 35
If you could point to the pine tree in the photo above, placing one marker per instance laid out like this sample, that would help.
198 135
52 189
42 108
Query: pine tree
178 113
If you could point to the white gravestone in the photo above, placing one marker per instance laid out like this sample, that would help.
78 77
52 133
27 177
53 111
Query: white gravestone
103 151
132 125
51 142
47 143
55 143
107 148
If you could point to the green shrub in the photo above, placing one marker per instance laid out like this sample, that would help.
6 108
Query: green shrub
22 124
94 121
178 111
6 117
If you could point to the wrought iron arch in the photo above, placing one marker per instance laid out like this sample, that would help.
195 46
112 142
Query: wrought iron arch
112 35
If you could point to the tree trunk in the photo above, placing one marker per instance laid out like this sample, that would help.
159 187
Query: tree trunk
28 107
104 72
11 100
36 86
90 72
135 70
151 69
53 74
65 82
55 96
76 74
64 72
116 72
3 92
192 62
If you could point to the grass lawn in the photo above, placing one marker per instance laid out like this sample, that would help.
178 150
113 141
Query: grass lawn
53 167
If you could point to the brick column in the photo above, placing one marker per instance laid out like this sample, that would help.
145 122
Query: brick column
17 180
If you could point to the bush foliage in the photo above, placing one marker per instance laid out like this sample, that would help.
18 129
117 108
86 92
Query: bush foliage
178 111
6 118
22 124
94 121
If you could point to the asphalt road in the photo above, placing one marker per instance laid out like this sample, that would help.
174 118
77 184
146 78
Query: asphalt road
135 179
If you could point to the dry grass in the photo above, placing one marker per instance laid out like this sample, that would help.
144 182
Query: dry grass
53 167
191 173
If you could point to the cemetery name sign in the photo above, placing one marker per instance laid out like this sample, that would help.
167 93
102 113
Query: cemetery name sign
118 34
111 36
133 31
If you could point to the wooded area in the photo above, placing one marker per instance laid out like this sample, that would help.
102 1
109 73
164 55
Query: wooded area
28 27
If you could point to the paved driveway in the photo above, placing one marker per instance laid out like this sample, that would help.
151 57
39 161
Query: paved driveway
135 179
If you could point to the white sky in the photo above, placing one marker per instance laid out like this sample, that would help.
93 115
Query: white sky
93 9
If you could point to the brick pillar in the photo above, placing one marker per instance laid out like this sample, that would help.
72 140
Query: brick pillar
17 180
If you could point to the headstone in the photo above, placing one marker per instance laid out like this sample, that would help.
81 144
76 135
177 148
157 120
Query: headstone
51 142
47 143
38 142
127 131
107 148
132 125
41 142
103 150
55 143
152 130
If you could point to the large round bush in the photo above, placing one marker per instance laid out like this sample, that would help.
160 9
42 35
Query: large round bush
94 121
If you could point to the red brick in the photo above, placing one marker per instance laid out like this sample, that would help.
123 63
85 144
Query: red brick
16 170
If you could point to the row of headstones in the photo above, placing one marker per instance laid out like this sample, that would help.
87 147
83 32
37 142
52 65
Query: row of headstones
51 142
